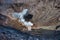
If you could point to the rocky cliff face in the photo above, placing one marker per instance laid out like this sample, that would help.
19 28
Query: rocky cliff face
45 12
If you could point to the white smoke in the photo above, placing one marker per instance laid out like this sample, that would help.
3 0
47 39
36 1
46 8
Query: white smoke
22 20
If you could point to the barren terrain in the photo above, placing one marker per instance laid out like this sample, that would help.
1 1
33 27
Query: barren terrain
46 13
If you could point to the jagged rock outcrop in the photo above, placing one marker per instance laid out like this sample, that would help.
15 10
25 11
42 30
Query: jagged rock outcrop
45 12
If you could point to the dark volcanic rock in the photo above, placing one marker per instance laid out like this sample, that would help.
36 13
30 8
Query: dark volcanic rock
7 33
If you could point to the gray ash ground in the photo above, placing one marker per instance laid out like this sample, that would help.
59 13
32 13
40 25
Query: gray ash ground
8 33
